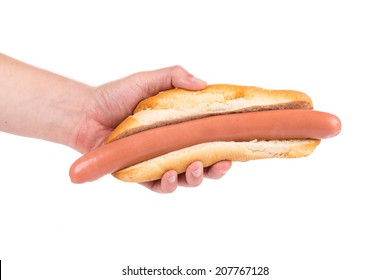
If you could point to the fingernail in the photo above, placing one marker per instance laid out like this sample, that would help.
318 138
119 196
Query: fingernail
196 173
224 172
172 179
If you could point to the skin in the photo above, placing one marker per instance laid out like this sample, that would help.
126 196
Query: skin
41 104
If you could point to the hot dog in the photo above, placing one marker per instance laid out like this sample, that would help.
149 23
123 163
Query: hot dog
177 127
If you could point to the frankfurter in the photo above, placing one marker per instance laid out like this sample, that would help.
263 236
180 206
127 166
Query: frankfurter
222 122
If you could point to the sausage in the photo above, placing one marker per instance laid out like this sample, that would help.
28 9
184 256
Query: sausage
263 125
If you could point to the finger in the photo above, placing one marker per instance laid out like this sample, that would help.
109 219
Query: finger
167 184
218 169
193 176
152 82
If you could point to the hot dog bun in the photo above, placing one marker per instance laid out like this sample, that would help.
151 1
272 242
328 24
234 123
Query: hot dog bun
178 105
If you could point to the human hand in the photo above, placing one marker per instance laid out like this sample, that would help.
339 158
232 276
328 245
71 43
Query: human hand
111 103
44 105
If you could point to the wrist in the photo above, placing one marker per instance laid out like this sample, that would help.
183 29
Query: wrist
68 112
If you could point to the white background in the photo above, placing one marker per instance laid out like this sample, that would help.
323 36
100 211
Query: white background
321 217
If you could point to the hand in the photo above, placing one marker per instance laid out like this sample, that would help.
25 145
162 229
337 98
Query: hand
41 104
111 103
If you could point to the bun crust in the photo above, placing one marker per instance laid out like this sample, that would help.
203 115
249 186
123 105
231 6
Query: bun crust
210 153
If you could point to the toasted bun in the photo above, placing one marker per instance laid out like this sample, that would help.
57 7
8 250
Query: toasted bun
178 105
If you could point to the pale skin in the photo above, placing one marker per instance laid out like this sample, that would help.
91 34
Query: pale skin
41 104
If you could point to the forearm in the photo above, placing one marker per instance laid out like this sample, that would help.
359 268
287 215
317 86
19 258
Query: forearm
40 104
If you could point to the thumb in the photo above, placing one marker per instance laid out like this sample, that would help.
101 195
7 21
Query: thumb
152 82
